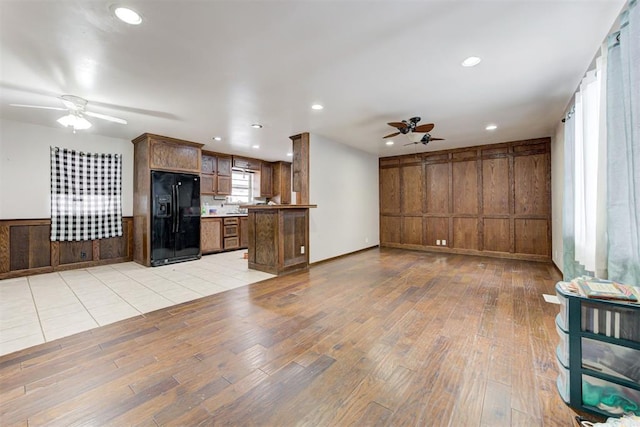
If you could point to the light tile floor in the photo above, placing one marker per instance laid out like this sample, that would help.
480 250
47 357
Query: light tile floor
44 307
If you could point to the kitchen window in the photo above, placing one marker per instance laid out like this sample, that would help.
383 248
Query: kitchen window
242 187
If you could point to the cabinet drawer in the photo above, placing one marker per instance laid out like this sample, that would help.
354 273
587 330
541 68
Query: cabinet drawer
230 230
611 359
231 243
610 397
231 221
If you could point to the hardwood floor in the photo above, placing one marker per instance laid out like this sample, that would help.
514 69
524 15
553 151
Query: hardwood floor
381 337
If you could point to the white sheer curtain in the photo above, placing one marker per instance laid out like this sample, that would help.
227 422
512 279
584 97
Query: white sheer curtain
588 140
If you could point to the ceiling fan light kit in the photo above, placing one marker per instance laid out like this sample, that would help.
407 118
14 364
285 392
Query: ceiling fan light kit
75 121
415 133
75 106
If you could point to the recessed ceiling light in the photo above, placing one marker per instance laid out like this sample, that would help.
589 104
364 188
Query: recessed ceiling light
217 138
317 107
128 15
471 61
255 146
289 154
256 126
389 142
491 127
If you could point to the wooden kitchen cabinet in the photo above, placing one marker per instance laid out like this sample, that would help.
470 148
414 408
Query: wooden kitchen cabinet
246 163
216 174
210 235
266 180
230 233
165 153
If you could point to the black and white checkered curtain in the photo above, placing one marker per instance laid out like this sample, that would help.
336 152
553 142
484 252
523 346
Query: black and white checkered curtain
86 195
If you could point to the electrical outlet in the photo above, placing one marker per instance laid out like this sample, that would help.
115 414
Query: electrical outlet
444 243
302 249
437 242
83 255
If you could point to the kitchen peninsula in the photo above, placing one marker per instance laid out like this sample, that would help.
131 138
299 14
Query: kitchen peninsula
278 237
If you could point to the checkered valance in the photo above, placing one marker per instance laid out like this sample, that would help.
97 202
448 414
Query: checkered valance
86 195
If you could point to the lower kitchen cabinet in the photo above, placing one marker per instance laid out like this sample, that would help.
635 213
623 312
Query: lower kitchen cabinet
210 235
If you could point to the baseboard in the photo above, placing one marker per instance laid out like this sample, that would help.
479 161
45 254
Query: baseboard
342 256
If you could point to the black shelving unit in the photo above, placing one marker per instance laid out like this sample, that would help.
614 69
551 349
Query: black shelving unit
599 354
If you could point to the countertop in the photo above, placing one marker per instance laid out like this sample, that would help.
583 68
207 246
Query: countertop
263 207
222 215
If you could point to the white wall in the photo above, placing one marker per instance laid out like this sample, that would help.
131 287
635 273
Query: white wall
557 192
343 182
25 170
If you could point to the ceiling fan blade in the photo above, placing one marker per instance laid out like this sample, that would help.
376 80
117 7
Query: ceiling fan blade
398 125
411 143
424 128
436 139
38 106
391 134
105 117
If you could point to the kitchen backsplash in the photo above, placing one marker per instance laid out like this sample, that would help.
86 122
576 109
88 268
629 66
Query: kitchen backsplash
213 206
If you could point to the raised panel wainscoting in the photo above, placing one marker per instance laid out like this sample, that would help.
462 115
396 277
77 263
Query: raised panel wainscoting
26 249
490 200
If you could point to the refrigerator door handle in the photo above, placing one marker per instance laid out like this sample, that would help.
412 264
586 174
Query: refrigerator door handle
173 209
177 209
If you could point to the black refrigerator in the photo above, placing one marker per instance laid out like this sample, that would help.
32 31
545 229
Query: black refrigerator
175 219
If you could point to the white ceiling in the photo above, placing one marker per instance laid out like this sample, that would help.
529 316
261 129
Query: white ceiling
198 69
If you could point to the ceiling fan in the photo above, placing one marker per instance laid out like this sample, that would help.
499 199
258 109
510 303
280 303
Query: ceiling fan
76 107
420 132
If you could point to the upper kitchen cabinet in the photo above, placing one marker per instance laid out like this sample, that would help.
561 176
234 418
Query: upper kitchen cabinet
224 175
247 163
216 174
165 153
266 179
281 185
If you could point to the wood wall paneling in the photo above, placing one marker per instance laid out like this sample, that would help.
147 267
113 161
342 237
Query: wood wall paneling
471 198
114 247
465 233
19 238
495 186
5 253
531 236
531 178
465 187
412 189
390 190
436 228
412 230
76 252
29 250
497 236
390 229
437 188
